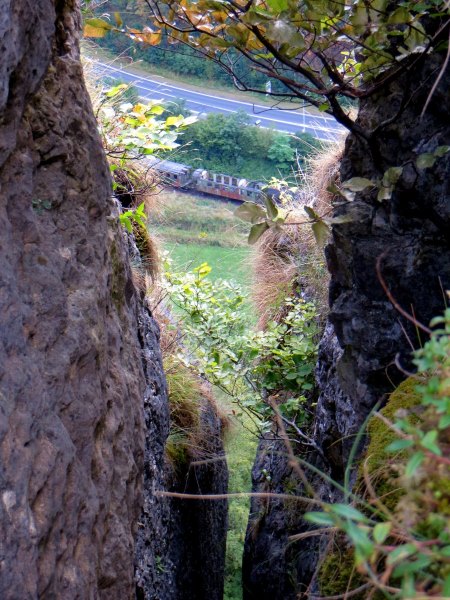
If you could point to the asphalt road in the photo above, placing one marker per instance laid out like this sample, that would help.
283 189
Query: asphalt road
291 121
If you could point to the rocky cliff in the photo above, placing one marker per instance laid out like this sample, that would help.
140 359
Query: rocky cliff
72 369
365 349
83 400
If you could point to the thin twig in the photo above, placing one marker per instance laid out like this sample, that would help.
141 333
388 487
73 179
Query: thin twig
393 301
234 495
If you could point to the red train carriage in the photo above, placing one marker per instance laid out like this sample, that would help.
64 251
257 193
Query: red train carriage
183 176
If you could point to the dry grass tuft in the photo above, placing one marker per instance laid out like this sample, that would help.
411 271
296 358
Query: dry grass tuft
136 183
189 397
323 169
288 259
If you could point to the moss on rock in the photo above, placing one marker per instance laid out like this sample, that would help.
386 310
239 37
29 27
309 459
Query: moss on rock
379 463
337 572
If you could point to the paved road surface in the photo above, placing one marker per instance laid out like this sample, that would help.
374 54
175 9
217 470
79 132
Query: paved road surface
321 127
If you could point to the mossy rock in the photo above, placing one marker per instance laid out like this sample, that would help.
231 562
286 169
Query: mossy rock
379 462
337 572
148 249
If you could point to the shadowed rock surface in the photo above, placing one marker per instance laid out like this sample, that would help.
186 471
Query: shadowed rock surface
365 334
198 528
71 363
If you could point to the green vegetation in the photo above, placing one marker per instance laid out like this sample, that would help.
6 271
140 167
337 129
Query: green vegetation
254 368
240 446
229 144
227 263
129 130
401 541
195 229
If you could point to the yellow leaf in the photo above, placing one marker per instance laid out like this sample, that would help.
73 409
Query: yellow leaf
93 32
152 39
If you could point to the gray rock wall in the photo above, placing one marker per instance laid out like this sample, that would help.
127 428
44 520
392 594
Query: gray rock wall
76 357
365 336
198 528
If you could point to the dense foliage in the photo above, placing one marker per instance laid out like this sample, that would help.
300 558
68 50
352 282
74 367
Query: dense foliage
229 144
250 366
321 51
182 61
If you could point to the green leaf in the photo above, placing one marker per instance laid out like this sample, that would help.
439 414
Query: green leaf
381 531
348 512
319 518
96 27
401 553
414 463
357 184
157 109
363 545
172 120
441 151
384 193
118 19
391 176
444 422
429 442
321 232
426 160
412 567
278 5
250 212
256 232
203 270
398 445
272 209
116 90
399 16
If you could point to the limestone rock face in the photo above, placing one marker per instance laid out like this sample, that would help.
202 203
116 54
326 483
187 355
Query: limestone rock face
181 542
366 338
74 363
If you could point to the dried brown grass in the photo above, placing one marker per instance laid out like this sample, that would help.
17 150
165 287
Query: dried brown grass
191 405
288 259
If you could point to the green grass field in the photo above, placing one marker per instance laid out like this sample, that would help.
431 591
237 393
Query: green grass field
226 263
196 229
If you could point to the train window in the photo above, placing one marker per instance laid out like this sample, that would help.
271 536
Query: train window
226 180
234 181
175 176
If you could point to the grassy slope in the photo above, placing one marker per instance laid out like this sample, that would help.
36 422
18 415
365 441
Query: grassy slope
196 229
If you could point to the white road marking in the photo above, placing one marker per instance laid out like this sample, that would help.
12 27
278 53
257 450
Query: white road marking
264 108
